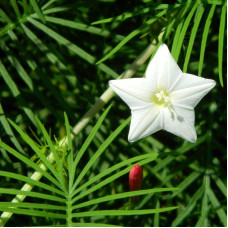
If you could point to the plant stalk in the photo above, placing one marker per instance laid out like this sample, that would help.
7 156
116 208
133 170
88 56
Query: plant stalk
69 211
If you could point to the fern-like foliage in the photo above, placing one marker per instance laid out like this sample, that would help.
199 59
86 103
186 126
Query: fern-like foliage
65 193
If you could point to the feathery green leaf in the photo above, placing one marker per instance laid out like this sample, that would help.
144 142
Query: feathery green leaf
221 41
38 11
131 35
197 21
122 212
77 50
204 38
32 194
123 195
114 176
100 151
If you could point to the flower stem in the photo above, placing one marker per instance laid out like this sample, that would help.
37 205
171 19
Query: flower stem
104 99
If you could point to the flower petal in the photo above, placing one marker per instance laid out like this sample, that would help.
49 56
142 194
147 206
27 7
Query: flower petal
135 92
180 122
163 69
173 111
144 122
190 90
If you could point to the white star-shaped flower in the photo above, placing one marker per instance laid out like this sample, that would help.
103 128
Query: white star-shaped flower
164 99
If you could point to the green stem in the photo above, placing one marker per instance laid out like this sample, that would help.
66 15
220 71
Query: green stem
104 99
69 211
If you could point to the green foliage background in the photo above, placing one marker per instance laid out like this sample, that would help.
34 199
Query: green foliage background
49 51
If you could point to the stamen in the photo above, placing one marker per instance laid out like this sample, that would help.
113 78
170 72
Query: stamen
166 99
161 97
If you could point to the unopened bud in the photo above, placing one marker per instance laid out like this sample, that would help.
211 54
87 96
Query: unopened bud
135 181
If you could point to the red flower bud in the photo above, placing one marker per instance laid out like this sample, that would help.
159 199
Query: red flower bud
135 178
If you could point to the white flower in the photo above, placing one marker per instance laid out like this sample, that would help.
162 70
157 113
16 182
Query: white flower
164 99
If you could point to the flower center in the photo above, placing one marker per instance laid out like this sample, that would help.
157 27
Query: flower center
161 97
